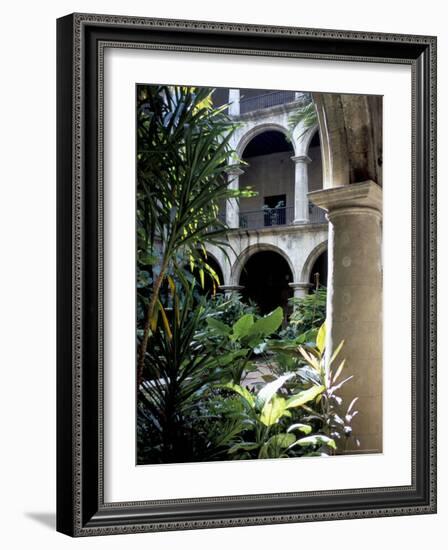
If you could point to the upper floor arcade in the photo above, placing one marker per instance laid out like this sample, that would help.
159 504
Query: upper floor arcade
281 162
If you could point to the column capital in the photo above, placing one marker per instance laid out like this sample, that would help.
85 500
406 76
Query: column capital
366 194
300 285
305 159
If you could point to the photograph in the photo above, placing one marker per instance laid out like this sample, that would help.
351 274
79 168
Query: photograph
246 274
258 274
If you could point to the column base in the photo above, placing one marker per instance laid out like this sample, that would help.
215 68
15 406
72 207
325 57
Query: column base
230 289
300 289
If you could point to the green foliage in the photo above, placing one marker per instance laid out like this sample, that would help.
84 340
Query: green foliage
266 420
326 409
182 162
177 374
306 116
229 309
248 336
195 400
309 312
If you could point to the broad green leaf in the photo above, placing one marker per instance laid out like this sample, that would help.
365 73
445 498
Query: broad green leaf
273 411
273 448
218 325
242 326
304 397
282 440
243 447
304 428
245 393
315 440
269 324
226 358
270 390
320 338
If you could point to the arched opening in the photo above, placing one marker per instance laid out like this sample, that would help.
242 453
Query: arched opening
270 173
265 277
319 271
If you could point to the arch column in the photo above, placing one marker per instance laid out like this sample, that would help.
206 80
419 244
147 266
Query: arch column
234 102
354 299
301 212
300 289
232 205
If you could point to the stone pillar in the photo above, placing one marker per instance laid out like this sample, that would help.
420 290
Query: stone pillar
232 205
230 289
354 300
234 102
300 289
301 213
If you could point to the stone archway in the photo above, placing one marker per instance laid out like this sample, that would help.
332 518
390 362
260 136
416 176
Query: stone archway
250 251
257 129
307 268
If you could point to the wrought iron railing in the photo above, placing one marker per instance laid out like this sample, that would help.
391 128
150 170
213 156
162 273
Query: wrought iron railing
267 217
316 214
271 217
264 101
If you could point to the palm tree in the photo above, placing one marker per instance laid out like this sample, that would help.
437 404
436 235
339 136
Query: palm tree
182 162
306 115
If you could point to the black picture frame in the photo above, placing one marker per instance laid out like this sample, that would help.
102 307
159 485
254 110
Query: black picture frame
81 510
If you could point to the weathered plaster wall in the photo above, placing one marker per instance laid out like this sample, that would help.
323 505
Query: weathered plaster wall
268 175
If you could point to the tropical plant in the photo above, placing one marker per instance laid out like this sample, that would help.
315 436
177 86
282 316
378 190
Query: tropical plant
229 309
183 155
245 338
308 314
267 415
177 373
306 116
320 371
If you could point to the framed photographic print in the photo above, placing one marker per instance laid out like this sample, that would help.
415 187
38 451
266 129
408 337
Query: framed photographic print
246 274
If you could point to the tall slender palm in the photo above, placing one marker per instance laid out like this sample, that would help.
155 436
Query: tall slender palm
183 156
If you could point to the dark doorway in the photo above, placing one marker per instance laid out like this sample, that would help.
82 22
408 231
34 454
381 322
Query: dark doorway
319 271
266 277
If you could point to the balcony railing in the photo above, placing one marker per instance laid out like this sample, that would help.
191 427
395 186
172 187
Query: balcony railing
264 101
316 214
267 217
272 217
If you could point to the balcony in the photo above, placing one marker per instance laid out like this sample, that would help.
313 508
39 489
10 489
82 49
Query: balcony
264 101
273 217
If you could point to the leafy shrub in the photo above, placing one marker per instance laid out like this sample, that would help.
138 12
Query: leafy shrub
309 313
229 309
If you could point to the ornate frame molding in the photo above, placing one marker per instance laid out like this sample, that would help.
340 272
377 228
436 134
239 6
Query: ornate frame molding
81 42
